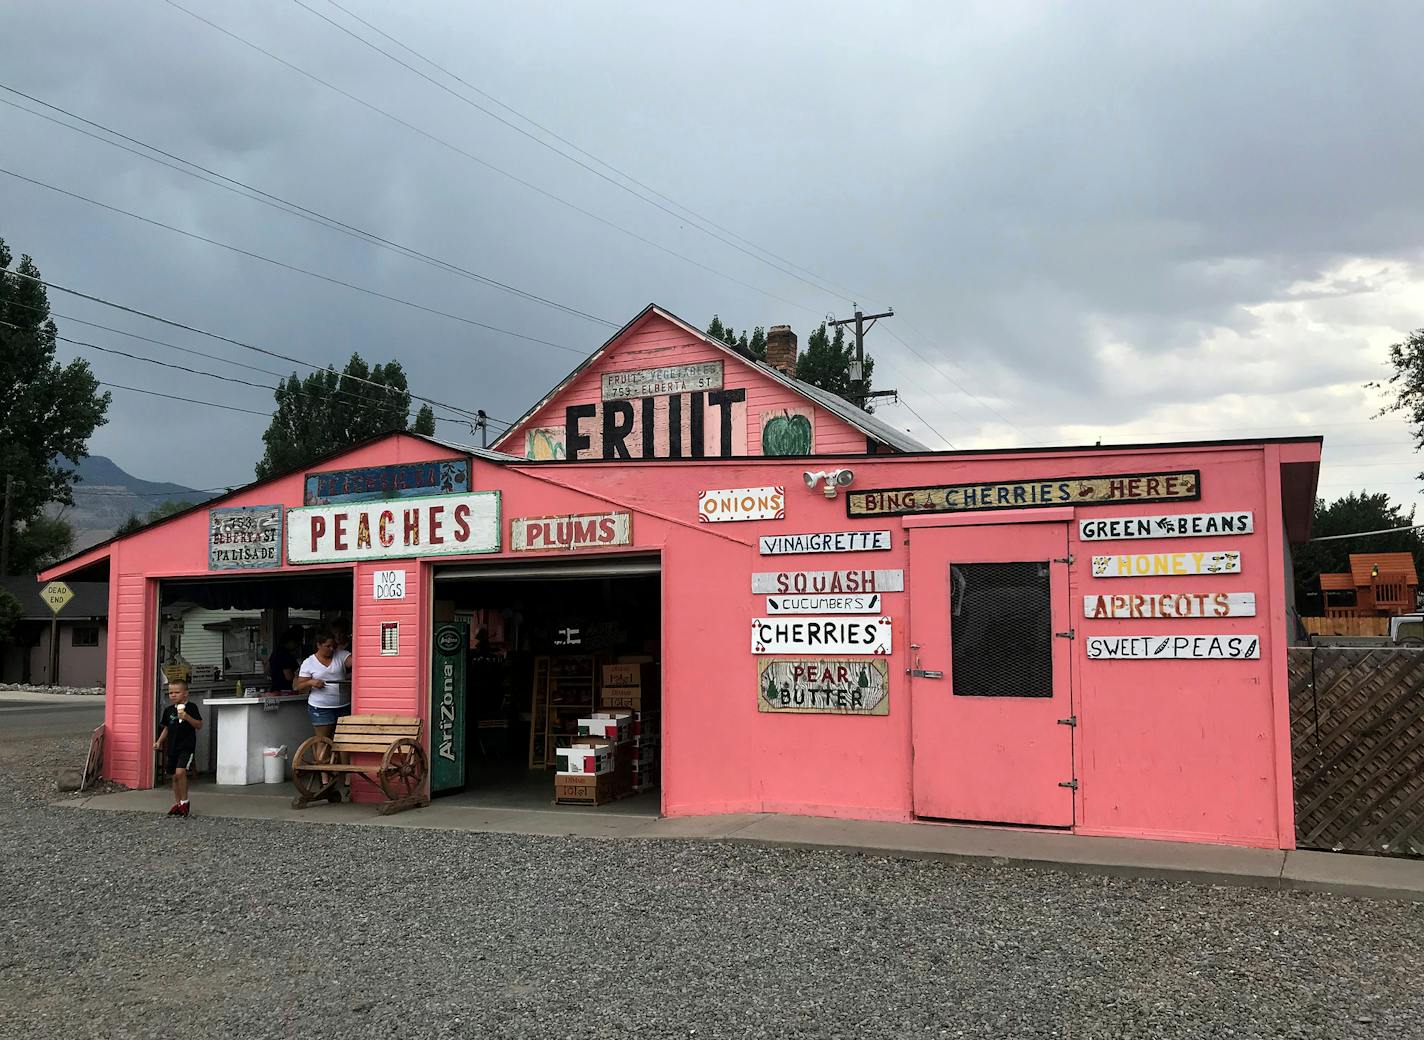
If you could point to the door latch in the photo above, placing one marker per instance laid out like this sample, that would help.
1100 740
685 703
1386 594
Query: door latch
1068 783
1071 720
1064 635
923 673
1063 559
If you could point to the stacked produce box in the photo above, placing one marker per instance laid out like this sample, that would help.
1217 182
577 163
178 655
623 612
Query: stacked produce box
616 751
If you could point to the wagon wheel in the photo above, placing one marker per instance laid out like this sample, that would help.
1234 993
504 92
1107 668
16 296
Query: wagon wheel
402 769
306 767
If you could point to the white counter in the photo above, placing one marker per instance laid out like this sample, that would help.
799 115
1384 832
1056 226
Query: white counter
244 727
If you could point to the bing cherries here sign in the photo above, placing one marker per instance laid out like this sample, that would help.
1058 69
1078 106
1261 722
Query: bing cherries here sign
441 525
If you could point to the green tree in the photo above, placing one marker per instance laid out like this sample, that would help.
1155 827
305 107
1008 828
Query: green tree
328 411
164 509
48 411
1349 515
826 363
10 613
424 421
38 542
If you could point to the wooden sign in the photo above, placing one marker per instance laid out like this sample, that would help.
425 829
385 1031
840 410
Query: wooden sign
659 382
578 531
1026 494
1180 525
823 685
818 635
244 538
830 582
823 542
440 525
397 480
863 603
56 596
1156 565
389 584
1173 648
763 503
1171 605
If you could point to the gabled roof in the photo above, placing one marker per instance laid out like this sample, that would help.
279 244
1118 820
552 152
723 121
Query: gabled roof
861 420
1361 565
1337 582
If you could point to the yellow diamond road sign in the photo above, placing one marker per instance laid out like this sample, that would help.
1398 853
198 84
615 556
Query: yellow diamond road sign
56 594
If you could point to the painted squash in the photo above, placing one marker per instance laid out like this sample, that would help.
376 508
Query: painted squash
786 433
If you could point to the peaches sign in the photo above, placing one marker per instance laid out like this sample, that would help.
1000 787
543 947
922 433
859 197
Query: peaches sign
441 525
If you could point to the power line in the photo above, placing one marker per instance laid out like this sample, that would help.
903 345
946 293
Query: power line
681 217
957 383
255 194
289 267
185 400
485 163
906 404
1366 534
228 339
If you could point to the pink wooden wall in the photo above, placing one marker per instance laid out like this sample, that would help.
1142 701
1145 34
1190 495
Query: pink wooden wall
656 342
1194 750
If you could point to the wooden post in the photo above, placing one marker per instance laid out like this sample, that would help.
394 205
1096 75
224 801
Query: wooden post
54 650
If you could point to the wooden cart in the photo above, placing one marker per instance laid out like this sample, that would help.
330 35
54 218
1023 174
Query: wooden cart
319 763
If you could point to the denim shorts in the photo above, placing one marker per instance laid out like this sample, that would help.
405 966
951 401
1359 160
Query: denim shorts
327 716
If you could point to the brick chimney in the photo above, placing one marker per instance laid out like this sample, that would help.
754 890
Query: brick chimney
781 349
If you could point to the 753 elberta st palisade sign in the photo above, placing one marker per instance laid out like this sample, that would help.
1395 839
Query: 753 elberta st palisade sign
441 525
244 537
1167 486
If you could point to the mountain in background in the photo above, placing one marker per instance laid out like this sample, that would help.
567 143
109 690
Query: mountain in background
106 496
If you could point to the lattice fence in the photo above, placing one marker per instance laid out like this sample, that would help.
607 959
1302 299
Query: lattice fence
1357 743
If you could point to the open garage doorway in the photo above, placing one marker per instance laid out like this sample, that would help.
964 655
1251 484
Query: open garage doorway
561 694
229 636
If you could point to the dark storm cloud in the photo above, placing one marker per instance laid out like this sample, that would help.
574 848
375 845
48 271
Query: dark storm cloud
1024 185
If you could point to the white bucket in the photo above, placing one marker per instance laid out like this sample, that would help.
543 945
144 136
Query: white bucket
274 764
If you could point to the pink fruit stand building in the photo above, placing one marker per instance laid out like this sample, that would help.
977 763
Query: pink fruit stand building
831 620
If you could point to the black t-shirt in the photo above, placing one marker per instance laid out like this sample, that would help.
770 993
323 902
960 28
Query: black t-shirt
180 734
281 659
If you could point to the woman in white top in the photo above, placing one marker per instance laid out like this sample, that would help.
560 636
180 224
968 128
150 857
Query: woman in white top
325 677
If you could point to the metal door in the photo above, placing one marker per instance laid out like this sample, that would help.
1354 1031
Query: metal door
989 686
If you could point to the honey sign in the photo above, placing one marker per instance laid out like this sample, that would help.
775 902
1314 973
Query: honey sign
1177 485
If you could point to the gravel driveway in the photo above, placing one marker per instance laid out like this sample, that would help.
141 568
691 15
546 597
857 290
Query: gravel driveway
120 925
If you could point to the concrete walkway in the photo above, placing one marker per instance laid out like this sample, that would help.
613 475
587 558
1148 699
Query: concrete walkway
1366 876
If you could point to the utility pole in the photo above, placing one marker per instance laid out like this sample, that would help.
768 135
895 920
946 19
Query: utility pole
5 525
857 367
483 424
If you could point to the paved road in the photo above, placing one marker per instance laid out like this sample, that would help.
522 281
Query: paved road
58 718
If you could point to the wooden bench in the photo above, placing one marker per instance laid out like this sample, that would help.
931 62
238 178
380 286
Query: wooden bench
318 764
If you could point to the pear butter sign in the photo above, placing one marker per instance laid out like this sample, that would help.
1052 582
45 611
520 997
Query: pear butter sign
1169 486
823 685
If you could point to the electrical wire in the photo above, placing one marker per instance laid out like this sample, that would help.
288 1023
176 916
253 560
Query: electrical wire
1366 534
185 400
290 267
900 400
228 339
485 163
255 194
680 217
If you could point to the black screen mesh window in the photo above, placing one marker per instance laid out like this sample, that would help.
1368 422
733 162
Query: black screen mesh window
1000 630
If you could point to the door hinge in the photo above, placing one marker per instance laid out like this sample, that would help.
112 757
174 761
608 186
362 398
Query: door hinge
1068 783
1063 559
923 673
1063 635
1071 720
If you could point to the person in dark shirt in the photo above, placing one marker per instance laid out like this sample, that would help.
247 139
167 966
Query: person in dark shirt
178 735
282 665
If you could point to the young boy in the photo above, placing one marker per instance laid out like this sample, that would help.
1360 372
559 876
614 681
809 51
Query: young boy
178 732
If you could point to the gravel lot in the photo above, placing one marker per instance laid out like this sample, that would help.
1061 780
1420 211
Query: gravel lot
120 924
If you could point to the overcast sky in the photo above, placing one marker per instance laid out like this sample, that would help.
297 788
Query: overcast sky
1095 221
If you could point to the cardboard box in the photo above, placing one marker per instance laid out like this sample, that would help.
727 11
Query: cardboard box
586 759
616 730
621 697
584 790
623 674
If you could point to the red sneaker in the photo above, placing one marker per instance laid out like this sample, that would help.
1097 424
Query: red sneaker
176 809
182 808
